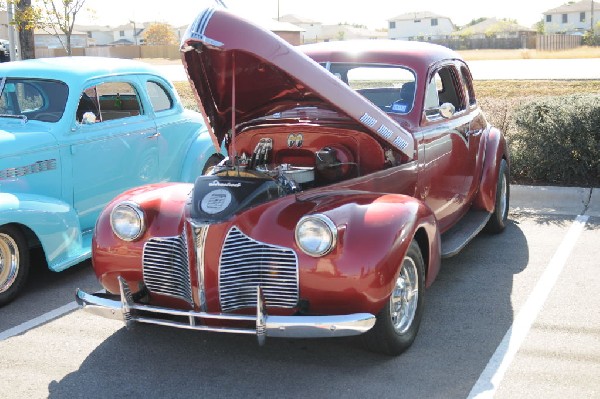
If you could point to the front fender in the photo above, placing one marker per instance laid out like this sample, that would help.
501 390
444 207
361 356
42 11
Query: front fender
496 150
54 222
374 232
197 155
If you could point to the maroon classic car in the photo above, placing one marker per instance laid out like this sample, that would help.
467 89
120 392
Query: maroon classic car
354 168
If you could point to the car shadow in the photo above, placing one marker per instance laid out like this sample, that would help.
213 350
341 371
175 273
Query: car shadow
468 311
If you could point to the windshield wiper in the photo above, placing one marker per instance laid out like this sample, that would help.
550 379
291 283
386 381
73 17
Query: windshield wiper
15 117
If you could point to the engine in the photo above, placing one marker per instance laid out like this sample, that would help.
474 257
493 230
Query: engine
247 181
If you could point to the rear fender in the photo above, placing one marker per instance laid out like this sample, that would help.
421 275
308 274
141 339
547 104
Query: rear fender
496 150
55 224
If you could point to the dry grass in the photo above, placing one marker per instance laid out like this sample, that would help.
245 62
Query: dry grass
519 54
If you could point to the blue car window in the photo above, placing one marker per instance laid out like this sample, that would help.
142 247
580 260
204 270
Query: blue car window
159 97
33 99
108 101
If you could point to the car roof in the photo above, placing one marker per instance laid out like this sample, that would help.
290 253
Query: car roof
74 68
414 54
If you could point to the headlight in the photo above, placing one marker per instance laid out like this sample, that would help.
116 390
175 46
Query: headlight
127 221
316 235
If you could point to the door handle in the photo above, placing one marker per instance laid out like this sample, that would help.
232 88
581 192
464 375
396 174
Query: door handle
154 135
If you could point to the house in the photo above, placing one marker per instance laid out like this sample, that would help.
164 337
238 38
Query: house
129 34
349 32
493 27
423 25
97 35
44 40
313 30
573 18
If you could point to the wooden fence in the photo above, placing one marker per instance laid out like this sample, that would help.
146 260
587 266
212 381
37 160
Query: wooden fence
129 52
557 42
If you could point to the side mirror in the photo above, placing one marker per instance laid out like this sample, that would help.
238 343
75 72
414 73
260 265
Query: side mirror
447 110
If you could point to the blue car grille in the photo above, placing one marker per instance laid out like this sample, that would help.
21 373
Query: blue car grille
246 263
166 267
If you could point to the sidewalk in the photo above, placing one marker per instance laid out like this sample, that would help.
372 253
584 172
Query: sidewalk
555 200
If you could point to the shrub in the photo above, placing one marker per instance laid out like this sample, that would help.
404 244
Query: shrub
557 141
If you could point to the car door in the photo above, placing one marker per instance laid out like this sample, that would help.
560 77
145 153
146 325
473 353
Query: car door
447 146
176 133
113 145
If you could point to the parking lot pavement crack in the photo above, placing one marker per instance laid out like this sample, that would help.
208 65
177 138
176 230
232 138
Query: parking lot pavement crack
587 201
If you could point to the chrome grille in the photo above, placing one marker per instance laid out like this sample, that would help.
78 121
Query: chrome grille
246 264
166 267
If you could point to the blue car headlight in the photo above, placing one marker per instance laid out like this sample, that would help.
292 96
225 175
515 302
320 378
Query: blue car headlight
127 221
316 235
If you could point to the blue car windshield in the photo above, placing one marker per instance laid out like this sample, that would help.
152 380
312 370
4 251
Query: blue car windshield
33 99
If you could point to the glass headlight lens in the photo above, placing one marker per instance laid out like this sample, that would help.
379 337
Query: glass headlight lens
316 235
127 221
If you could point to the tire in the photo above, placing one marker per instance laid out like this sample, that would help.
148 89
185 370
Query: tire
14 263
499 217
213 160
398 322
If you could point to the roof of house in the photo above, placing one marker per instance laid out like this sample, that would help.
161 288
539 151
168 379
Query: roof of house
332 31
580 6
277 26
410 16
296 19
93 28
493 25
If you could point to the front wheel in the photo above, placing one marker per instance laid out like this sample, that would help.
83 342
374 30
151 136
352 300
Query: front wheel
498 219
213 160
14 263
398 322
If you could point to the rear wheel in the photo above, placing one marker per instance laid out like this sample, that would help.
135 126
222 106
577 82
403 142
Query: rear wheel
398 322
497 221
14 263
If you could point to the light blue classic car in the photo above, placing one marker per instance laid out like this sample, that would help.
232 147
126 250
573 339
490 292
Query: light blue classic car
74 133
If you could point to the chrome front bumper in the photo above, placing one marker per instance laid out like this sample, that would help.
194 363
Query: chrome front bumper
266 326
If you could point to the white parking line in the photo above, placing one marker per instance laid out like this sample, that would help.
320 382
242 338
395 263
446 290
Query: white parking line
33 323
491 377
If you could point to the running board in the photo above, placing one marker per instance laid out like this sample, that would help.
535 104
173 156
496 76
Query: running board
463 232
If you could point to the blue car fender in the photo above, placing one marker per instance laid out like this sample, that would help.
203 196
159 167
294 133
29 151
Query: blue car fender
54 223
197 155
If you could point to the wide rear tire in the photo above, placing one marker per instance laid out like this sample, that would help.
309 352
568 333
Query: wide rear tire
398 322
14 263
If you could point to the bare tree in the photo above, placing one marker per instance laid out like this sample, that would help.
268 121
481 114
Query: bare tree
58 19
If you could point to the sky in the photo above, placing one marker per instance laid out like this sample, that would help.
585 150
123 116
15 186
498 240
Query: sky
372 13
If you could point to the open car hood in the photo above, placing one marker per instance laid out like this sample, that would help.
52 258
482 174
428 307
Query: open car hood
241 72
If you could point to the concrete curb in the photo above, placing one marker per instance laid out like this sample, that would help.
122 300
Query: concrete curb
555 200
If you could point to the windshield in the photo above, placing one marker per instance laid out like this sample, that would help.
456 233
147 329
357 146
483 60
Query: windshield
390 87
33 99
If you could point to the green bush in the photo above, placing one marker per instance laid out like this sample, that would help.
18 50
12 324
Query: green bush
557 141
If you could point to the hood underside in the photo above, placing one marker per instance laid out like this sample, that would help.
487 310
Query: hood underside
241 72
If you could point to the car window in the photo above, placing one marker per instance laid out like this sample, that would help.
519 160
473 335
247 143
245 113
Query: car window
390 87
108 101
468 85
444 86
33 99
159 96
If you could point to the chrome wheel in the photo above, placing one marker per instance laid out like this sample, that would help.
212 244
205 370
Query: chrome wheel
405 297
9 262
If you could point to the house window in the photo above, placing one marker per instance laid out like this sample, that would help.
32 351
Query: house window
548 18
434 21
417 20
121 33
582 17
564 18
89 34
392 24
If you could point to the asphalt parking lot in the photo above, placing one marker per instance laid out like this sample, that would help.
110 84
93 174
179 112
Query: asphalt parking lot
513 315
